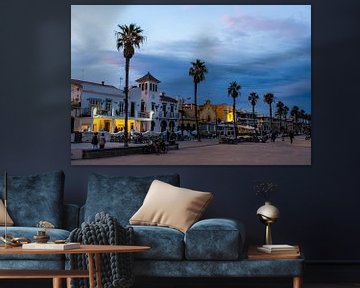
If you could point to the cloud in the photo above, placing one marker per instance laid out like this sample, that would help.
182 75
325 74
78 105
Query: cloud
263 54
274 74
246 24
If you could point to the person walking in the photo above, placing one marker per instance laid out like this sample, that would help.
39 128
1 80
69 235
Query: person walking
291 136
102 141
273 136
95 141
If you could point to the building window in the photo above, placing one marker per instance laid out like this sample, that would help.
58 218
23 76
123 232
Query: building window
145 86
108 105
142 87
121 107
132 109
143 108
95 103
151 87
164 109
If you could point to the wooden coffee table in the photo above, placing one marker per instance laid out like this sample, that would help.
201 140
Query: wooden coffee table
94 267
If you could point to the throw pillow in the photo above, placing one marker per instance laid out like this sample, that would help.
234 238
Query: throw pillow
120 196
9 221
35 198
170 206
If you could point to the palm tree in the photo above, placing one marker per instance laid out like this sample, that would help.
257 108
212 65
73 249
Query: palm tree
280 112
295 114
286 111
234 91
269 99
197 71
302 117
128 38
253 98
308 118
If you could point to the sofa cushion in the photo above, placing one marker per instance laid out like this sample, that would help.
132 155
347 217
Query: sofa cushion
120 196
35 198
29 232
170 206
9 221
165 243
214 239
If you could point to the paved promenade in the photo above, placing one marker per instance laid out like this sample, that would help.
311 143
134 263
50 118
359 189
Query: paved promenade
209 152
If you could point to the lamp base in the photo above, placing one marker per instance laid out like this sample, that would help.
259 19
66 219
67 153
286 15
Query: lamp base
268 237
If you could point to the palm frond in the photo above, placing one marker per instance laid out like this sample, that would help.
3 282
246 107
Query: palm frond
198 70
234 89
129 36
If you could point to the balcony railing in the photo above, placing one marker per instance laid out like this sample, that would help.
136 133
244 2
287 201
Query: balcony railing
86 112
143 115
82 112
163 114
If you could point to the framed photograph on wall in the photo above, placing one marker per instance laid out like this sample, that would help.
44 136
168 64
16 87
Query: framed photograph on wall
191 85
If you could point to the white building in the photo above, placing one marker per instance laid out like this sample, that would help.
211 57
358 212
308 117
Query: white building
161 109
100 107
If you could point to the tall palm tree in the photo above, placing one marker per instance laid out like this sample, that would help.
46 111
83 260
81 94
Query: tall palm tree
280 112
234 91
128 38
308 118
197 71
269 99
253 98
295 114
302 117
286 111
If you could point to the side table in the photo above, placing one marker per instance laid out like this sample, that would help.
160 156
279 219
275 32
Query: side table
93 251
255 255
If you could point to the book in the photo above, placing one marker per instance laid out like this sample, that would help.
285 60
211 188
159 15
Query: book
255 254
51 246
277 249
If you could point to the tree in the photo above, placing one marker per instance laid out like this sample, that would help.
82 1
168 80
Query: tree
269 99
286 111
197 71
128 38
253 98
280 112
234 91
295 114
302 117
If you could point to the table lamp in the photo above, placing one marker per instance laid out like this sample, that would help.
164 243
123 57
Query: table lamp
268 214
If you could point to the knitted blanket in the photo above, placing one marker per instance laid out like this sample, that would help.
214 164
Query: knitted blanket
116 268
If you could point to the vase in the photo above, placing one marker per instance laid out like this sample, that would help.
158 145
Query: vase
268 214
41 237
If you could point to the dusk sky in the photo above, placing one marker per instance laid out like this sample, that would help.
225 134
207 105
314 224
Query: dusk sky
263 48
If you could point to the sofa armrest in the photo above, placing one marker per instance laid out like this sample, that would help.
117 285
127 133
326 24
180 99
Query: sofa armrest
215 239
71 216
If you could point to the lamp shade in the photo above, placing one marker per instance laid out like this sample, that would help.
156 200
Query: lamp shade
268 211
